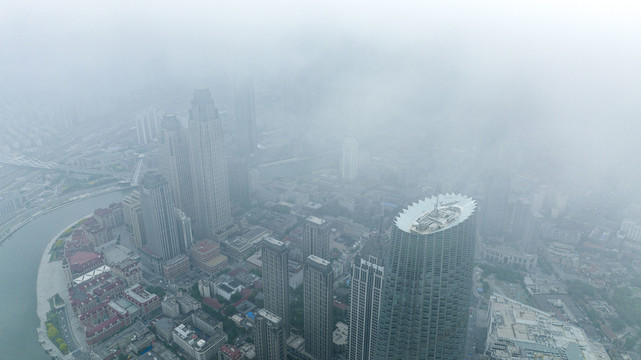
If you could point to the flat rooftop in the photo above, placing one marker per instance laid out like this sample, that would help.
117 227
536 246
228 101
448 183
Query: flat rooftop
316 220
518 331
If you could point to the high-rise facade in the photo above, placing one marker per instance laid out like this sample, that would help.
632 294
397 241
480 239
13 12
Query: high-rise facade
495 207
158 212
316 238
175 164
209 168
269 336
428 280
134 217
275 257
183 227
146 127
318 315
365 297
245 113
349 161
238 178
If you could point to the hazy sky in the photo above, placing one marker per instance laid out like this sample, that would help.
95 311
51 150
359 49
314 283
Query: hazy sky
564 72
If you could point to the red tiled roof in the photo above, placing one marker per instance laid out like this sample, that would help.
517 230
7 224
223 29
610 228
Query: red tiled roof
82 257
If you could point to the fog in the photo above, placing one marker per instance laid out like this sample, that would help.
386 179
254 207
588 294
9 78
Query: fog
562 76
532 108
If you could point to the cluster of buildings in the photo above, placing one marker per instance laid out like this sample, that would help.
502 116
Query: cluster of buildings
518 331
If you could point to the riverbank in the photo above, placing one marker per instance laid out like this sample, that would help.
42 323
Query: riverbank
8 232
51 281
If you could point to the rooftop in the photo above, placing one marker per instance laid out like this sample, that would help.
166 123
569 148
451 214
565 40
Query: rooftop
316 220
318 260
269 316
518 331
435 214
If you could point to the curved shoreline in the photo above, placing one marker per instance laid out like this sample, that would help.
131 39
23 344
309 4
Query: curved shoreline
50 277
69 201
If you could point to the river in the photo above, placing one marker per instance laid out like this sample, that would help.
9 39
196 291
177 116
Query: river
20 257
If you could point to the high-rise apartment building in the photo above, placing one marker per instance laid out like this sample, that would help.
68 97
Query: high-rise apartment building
183 227
428 280
318 298
158 212
209 168
349 161
269 336
275 257
316 237
175 164
134 218
365 297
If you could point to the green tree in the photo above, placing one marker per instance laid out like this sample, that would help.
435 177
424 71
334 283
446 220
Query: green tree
235 297
63 347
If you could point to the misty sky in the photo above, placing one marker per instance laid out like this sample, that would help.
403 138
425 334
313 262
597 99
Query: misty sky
563 73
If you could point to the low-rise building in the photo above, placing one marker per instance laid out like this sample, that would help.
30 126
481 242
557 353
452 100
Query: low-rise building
205 255
176 266
242 246
517 331
195 347
508 255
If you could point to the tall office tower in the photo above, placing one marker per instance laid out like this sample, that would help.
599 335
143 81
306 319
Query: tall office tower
209 168
158 211
349 162
175 164
494 208
276 279
245 113
318 315
238 177
365 297
428 280
526 226
269 336
316 238
146 127
183 227
134 218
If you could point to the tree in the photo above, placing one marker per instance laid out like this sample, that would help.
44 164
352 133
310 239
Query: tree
63 347
229 310
235 297
52 332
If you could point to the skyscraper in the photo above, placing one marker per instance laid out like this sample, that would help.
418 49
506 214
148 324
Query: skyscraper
269 336
349 162
318 315
209 168
244 110
146 127
158 212
238 177
276 279
428 280
365 296
183 227
134 217
495 208
175 164
316 238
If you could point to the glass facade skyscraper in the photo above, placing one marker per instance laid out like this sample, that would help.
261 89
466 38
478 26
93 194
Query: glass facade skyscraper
428 280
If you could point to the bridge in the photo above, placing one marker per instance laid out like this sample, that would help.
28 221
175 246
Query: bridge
50 165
